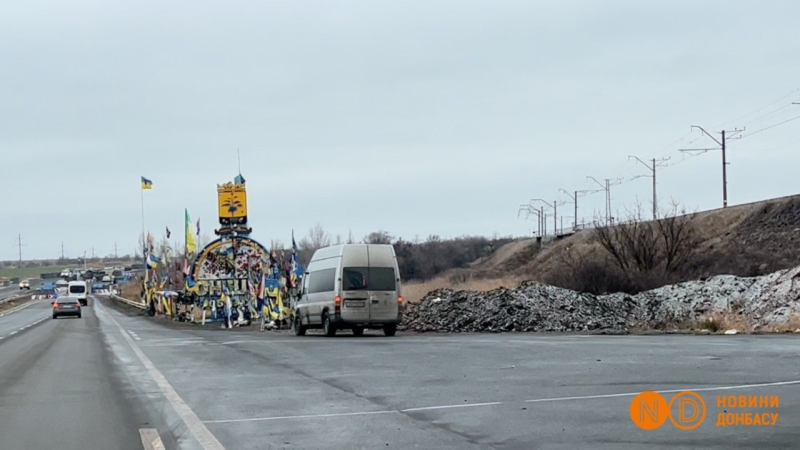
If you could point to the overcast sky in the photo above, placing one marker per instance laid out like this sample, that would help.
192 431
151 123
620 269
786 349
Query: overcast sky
416 117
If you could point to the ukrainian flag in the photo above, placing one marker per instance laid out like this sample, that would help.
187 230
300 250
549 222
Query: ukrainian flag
146 184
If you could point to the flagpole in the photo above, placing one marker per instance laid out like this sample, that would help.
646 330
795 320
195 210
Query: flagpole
144 238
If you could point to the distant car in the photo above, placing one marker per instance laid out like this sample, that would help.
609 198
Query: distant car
66 306
24 284
106 279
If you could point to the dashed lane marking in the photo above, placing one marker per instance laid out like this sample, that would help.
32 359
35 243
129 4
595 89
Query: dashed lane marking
193 423
477 405
18 330
150 439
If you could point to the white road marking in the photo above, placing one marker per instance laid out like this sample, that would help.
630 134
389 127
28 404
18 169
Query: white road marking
466 405
307 416
666 391
150 439
193 423
134 335
477 405
12 333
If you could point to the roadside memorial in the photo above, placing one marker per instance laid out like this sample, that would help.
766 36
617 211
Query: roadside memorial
235 280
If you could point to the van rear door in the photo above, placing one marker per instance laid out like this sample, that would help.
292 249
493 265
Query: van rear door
355 272
382 280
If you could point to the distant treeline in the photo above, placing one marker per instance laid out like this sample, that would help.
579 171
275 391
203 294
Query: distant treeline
417 259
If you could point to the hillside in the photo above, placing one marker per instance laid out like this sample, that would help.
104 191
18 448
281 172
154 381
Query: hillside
744 240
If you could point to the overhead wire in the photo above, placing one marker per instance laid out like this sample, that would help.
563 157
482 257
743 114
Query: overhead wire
759 110
770 127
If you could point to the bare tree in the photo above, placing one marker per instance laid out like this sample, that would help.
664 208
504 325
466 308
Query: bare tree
649 246
202 241
378 237
678 235
316 238
350 238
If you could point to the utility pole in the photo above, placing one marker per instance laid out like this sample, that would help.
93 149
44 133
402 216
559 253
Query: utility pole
554 205
93 252
575 202
722 146
19 245
115 251
62 249
531 210
607 187
652 168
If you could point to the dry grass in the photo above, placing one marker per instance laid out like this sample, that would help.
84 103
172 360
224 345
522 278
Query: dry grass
414 291
14 303
792 325
131 291
721 321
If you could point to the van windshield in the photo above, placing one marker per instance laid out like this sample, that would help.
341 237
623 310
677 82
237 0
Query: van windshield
372 278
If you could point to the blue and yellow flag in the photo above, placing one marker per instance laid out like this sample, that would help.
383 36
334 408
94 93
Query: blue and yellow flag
191 243
146 184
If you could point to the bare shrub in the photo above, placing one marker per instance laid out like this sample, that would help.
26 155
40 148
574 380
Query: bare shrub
648 253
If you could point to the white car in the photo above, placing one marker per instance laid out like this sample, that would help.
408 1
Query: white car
25 284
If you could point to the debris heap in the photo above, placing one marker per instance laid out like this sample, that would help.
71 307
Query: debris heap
767 300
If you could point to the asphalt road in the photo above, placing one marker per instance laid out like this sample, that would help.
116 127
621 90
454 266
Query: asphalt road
13 289
98 381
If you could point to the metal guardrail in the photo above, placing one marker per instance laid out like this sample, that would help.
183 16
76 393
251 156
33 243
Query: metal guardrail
139 305
18 296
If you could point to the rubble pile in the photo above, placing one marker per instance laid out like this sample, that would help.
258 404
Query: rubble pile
767 300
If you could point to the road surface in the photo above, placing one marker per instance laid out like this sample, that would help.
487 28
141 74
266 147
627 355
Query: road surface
101 381
13 288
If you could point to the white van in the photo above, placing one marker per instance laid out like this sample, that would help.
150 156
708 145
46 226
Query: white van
350 286
79 290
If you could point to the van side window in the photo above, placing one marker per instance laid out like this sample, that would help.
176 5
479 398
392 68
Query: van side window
322 281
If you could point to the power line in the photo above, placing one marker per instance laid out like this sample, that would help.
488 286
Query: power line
760 109
771 126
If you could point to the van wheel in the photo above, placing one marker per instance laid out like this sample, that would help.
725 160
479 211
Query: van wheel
299 329
358 331
327 326
390 330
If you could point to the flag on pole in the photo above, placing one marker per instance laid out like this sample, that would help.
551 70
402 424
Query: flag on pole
191 243
168 232
198 226
146 184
